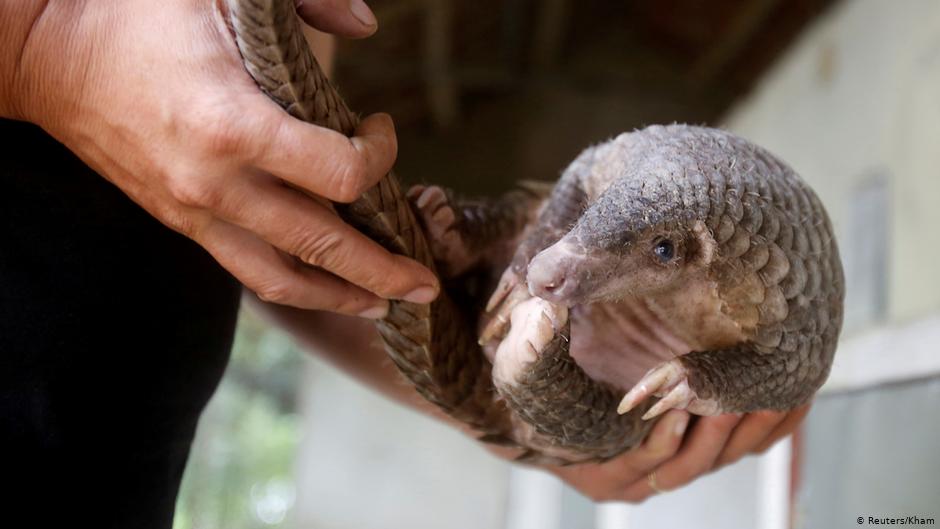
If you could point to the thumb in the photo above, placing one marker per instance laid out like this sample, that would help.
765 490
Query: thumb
345 18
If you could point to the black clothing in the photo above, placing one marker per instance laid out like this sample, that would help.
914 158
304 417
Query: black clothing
114 333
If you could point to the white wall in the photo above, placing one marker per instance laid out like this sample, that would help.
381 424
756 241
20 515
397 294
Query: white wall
858 99
855 100
365 462
860 95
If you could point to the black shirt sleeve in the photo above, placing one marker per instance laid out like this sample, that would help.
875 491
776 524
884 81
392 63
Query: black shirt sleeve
114 333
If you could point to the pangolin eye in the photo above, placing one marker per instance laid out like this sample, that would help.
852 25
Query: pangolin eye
664 250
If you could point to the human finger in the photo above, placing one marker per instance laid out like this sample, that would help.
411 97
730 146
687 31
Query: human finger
660 444
304 228
346 18
322 161
751 431
695 458
606 481
280 279
785 428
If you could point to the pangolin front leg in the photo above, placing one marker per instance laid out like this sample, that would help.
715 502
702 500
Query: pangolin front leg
670 382
465 233
571 416
568 199
737 379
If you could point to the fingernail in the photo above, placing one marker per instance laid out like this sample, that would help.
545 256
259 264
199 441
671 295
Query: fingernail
361 11
375 313
421 295
681 423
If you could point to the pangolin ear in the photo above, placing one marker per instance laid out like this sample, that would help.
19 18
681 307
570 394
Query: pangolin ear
704 246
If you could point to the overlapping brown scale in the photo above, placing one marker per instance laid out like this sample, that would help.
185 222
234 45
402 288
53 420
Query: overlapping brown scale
724 229
795 280
738 244
773 309
433 346
757 256
779 275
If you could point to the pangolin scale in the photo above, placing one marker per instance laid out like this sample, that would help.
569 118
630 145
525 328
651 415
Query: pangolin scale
683 266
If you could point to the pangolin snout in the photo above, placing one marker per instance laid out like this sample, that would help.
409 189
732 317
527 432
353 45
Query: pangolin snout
553 275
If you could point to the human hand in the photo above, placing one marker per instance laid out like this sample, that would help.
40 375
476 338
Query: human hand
677 454
154 96
678 459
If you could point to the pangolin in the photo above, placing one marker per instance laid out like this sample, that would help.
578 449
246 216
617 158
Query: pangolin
669 267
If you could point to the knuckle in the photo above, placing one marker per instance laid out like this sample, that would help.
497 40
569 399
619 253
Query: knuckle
191 189
319 249
180 222
338 307
350 181
656 452
219 128
277 292
221 139
652 454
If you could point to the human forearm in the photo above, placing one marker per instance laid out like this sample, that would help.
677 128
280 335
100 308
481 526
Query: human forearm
350 344
677 456
155 98
353 346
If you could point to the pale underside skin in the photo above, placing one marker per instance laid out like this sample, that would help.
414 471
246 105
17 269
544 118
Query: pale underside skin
584 287
779 274
630 344
534 323
615 343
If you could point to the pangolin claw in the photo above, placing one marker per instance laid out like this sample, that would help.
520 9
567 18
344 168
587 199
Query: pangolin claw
670 382
498 324
507 282
678 397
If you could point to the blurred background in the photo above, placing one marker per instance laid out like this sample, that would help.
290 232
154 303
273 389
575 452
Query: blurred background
488 92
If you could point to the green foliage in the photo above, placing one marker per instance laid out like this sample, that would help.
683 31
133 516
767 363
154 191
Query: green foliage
240 471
